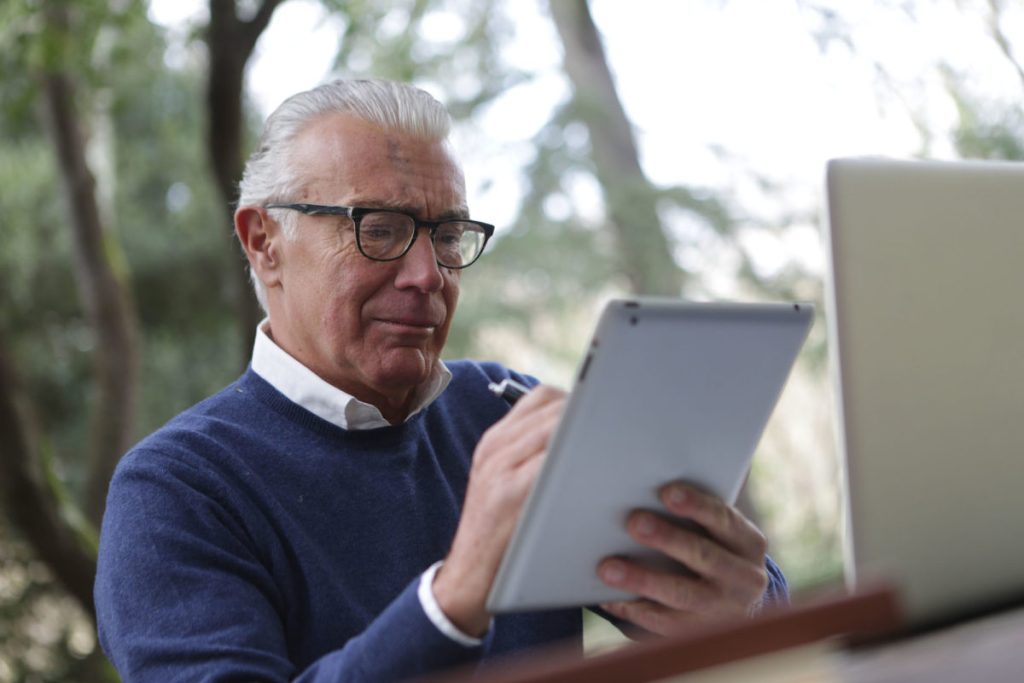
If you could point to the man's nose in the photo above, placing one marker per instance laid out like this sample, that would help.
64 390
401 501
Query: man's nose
418 268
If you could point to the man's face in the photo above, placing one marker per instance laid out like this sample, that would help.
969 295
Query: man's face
373 329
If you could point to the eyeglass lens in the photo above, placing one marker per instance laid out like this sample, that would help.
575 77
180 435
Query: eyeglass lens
385 235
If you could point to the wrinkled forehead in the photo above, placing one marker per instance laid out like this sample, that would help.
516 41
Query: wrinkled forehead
342 159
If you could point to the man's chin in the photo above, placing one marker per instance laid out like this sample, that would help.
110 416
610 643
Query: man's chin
405 368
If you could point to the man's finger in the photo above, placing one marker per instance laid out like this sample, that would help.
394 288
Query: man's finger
513 441
674 591
535 398
722 521
737 576
651 616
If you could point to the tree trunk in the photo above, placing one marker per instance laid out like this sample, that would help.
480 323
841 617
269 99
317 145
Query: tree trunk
632 201
230 42
105 298
31 504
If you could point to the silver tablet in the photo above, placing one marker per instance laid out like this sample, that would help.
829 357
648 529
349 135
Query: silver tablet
668 390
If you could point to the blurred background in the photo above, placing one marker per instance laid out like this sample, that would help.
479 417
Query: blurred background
648 147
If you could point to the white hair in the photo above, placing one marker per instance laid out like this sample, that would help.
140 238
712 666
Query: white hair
269 175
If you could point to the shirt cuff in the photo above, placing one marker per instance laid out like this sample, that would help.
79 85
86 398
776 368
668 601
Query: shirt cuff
436 615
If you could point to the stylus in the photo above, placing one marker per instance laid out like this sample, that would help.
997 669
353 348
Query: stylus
508 389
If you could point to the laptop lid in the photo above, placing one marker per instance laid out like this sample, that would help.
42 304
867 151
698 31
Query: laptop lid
927 335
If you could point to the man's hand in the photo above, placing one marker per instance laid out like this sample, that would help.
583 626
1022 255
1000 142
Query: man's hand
729 565
505 464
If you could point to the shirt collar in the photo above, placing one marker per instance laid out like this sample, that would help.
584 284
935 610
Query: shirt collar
304 387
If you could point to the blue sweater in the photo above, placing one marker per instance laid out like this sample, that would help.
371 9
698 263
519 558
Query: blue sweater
248 539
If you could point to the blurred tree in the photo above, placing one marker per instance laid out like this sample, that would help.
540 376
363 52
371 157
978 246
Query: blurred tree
33 502
81 72
988 129
35 499
645 254
100 270
230 40
109 310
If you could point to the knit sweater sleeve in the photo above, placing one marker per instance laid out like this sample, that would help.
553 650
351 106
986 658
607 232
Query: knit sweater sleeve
400 643
183 594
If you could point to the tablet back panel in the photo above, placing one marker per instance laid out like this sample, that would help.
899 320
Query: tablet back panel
927 315
669 390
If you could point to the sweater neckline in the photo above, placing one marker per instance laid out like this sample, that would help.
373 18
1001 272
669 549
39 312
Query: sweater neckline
252 383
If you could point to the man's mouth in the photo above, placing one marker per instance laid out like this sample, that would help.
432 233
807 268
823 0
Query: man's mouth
409 324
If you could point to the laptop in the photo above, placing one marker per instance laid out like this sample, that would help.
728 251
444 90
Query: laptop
926 314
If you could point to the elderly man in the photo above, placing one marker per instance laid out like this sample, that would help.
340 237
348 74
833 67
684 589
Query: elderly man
340 511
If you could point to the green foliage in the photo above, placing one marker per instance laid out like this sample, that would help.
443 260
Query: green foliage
145 127
40 312
147 122
811 554
986 129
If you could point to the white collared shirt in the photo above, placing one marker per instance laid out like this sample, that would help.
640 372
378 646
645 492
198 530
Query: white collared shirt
305 388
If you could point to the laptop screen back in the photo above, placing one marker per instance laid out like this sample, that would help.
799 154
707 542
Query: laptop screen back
927 334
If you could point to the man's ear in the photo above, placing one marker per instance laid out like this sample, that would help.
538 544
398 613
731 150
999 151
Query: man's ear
260 237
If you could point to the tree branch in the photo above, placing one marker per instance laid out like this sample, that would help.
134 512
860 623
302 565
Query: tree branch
996 30
255 26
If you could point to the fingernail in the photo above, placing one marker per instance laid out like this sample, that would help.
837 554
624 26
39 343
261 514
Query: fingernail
644 525
613 572
676 495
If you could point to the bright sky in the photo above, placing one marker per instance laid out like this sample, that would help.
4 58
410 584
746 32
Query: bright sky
740 76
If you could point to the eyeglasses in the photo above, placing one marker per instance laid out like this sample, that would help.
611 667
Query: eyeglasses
385 235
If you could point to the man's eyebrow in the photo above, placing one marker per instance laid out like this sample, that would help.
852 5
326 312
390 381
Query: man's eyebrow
454 214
